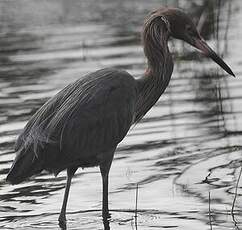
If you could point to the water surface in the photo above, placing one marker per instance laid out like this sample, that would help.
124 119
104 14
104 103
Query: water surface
187 147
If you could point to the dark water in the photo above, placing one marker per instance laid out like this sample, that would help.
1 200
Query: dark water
187 147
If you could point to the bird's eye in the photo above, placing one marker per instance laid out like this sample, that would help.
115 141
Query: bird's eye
191 31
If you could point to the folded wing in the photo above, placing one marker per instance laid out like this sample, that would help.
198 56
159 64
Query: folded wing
86 118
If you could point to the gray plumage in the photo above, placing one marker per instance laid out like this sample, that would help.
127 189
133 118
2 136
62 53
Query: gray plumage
82 125
81 122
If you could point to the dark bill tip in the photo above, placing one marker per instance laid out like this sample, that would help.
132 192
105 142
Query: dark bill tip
203 46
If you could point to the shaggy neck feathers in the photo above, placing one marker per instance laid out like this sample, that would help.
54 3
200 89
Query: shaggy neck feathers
160 65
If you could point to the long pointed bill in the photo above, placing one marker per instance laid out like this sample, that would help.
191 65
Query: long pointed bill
203 46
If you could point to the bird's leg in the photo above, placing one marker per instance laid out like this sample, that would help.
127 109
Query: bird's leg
62 216
104 168
105 212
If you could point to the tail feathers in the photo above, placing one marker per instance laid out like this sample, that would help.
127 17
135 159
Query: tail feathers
25 165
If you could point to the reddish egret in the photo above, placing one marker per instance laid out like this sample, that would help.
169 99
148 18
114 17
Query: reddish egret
82 125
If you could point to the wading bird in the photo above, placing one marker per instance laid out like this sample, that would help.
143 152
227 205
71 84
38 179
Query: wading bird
82 125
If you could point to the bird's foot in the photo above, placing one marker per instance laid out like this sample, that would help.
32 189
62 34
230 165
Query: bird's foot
62 221
106 224
106 216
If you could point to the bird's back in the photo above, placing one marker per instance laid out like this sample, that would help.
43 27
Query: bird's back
80 123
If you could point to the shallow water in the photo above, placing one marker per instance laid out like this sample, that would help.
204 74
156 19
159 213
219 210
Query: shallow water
186 148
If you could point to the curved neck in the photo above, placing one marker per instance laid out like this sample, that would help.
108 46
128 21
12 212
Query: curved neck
160 66
155 41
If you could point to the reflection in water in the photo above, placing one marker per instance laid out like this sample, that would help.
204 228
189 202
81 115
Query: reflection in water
106 224
187 146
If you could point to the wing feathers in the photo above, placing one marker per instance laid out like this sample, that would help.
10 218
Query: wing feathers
88 116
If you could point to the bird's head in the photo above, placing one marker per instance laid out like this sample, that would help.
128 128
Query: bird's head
180 26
